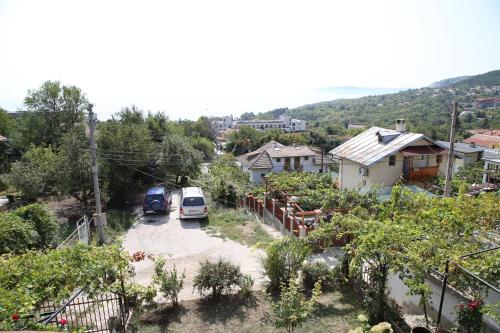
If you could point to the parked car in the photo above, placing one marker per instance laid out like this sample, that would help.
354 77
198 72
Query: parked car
157 200
193 204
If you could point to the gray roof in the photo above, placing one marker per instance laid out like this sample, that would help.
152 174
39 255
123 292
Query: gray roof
461 147
374 144
261 158
491 155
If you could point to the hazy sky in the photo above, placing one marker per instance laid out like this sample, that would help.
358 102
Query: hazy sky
211 57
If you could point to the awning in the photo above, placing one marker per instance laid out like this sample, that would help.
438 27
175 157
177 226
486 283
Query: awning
423 150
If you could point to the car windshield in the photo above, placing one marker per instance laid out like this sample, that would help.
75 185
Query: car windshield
153 197
193 201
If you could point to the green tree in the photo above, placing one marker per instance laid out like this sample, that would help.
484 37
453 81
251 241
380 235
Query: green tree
36 173
74 166
178 157
169 282
16 236
43 222
6 123
284 258
125 152
54 110
292 309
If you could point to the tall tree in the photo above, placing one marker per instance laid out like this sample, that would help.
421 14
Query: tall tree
54 110
179 158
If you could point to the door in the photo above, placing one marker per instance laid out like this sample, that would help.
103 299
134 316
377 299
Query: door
406 167
296 163
287 163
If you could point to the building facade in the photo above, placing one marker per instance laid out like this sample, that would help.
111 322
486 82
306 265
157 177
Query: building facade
283 123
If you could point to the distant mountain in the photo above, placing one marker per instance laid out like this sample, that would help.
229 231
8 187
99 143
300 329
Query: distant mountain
448 82
487 79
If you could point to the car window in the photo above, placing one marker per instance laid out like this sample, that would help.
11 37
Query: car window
193 201
153 197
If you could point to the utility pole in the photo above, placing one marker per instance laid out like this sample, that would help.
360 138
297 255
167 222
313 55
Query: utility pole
95 176
449 169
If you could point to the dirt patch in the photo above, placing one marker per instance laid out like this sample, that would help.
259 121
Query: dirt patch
336 312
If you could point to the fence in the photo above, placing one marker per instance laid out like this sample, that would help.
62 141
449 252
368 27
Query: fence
99 313
80 234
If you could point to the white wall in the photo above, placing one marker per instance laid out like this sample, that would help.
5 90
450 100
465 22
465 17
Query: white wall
348 175
380 173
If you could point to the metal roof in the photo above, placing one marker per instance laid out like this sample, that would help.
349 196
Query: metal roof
461 147
374 144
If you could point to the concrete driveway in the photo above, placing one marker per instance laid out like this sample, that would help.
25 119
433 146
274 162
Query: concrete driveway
184 244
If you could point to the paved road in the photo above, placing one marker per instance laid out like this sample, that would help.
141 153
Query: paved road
186 245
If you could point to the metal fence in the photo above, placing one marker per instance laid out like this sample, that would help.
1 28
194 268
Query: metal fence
80 234
99 313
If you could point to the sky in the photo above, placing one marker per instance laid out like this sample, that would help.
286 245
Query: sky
191 58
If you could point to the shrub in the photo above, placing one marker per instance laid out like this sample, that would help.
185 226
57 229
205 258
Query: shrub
292 309
218 277
119 220
316 272
246 285
284 258
42 221
470 317
169 282
16 236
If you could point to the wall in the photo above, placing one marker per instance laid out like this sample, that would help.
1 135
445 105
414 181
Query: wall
307 165
385 174
348 174
411 304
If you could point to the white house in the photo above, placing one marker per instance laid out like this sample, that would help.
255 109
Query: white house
465 153
491 166
382 156
275 157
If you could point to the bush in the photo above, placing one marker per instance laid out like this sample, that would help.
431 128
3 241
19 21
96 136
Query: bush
316 272
119 220
43 222
246 285
16 236
292 309
169 283
219 277
284 258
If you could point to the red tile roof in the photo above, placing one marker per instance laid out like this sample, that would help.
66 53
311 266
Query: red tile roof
483 140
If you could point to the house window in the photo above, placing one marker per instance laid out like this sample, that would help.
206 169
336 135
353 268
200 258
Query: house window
439 159
364 182
392 160
306 158
278 160
262 175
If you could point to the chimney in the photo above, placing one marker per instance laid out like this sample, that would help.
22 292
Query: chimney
400 125
473 144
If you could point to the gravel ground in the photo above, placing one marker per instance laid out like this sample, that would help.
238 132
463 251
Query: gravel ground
185 244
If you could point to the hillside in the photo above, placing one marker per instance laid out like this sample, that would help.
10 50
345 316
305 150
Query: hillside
448 82
426 110
487 79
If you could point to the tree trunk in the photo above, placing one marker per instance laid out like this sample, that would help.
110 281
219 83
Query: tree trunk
383 271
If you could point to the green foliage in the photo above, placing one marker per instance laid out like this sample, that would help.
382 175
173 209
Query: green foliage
246 285
74 166
178 157
315 272
54 110
43 222
471 173
224 183
292 309
218 277
27 280
169 282
284 258
16 236
470 317
36 173
6 123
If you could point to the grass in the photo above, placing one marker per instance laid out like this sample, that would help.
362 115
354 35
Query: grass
118 222
335 312
237 225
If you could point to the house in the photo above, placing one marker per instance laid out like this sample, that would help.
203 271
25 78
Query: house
465 153
491 166
382 156
488 139
276 157
356 125
284 123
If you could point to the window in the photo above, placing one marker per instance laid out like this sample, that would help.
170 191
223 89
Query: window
392 160
262 175
193 201
278 160
364 182
306 158
363 171
439 159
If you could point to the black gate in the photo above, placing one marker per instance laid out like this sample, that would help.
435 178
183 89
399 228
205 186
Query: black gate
99 313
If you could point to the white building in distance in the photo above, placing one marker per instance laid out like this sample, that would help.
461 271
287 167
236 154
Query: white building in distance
284 123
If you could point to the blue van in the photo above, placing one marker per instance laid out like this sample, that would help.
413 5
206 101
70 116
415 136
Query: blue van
157 200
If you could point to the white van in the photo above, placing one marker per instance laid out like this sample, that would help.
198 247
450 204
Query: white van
193 204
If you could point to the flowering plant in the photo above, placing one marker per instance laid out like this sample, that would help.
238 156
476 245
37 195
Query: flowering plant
470 316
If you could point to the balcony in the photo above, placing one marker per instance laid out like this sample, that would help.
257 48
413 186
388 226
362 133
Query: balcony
421 173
